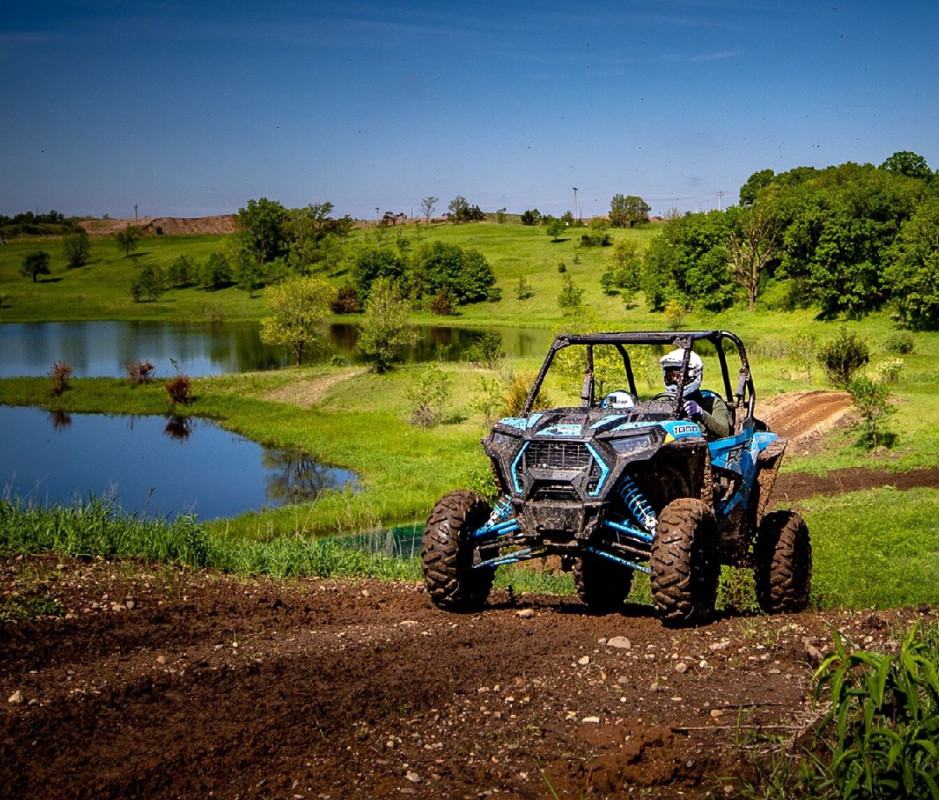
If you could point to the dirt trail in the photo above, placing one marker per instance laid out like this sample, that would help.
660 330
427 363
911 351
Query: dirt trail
163 683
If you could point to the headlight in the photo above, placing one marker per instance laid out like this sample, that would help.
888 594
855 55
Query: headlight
630 443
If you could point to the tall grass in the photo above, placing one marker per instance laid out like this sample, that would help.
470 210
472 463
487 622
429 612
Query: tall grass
97 528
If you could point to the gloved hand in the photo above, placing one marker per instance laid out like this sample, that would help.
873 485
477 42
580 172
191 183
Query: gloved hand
693 410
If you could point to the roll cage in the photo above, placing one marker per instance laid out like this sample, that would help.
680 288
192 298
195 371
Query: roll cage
740 398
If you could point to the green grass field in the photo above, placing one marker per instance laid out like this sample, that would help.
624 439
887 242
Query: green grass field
874 548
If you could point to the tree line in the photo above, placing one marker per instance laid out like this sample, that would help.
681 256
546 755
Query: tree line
851 239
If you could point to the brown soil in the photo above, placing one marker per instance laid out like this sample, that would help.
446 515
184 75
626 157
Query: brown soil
164 683
171 226
161 682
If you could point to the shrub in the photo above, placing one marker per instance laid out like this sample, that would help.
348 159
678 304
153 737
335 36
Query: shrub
487 351
531 217
441 304
842 357
571 297
179 390
428 396
490 399
346 301
801 351
60 378
674 314
139 371
516 393
871 400
889 370
523 288
899 343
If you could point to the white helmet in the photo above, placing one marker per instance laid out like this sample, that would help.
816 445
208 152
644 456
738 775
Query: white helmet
674 360
618 401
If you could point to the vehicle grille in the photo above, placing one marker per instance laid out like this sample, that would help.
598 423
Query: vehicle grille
557 455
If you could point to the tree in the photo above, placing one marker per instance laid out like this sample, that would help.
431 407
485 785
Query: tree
386 329
461 211
531 217
182 272
912 274
148 284
263 224
76 247
315 238
629 211
463 273
623 270
216 272
128 239
298 315
374 263
688 262
838 225
752 246
35 264
249 274
754 184
554 228
428 204
910 164
570 299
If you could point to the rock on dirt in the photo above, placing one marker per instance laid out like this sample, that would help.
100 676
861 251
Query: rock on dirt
212 686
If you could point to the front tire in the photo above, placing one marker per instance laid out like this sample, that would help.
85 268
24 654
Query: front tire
684 563
783 558
602 585
447 553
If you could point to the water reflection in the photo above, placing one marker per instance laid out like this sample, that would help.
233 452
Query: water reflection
60 420
153 465
179 428
295 476
105 348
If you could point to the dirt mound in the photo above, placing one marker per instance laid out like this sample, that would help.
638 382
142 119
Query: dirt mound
162 683
171 226
802 416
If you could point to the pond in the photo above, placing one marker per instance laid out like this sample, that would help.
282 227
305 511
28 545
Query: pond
101 349
158 466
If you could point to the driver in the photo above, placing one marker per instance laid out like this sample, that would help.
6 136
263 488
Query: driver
706 408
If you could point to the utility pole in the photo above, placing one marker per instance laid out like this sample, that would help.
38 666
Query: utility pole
576 216
135 212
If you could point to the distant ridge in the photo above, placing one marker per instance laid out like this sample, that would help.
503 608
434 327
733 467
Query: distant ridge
172 226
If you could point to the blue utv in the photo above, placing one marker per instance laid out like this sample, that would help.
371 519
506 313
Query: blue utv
619 479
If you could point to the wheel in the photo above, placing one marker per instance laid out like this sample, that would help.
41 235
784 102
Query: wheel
602 585
684 563
783 563
447 552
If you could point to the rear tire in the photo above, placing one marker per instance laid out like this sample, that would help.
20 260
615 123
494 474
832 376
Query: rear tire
783 563
602 585
684 563
447 553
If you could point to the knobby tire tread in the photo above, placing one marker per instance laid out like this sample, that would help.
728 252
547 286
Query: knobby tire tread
783 556
684 563
602 585
447 555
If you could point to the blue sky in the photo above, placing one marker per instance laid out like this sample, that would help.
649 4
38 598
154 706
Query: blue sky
193 109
